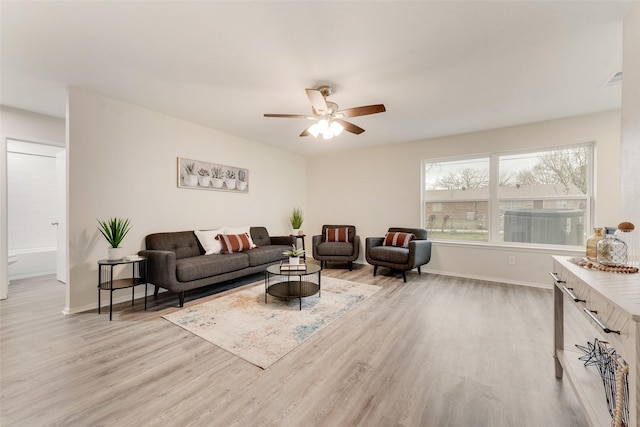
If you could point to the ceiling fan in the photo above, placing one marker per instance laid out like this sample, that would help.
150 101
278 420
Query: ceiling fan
328 120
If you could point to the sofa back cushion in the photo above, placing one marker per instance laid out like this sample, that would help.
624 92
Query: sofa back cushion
260 236
183 243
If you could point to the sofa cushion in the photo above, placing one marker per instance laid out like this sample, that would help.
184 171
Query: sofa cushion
334 248
266 254
398 239
183 243
234 242
391 254
207 239
260 236
337 234
199 267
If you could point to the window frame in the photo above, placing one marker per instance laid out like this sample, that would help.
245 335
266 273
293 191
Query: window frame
493 220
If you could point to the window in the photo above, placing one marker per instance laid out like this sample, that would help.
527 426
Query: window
539 197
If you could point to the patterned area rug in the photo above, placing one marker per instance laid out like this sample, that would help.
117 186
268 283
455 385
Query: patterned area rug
260 333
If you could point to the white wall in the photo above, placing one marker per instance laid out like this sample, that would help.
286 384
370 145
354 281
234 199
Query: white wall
376 188
26 126
630 131
123 162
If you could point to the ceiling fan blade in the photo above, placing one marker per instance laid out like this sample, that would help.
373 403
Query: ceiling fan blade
290 116
362 111
305 132
317 100
350 127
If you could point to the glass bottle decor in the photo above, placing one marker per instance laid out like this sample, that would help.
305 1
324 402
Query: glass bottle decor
612 251
627 233
592 243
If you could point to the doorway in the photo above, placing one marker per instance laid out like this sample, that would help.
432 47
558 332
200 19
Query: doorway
36 209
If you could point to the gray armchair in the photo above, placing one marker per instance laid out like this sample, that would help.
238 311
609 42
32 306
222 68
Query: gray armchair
347 251
398 258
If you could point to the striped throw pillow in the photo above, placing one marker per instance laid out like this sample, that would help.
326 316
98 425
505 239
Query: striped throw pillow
398 239
337 234
234 242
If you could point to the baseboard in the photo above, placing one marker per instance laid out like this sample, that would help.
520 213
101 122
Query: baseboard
489 279
116 300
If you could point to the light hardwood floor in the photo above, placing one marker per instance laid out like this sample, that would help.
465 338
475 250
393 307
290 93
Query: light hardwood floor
435 351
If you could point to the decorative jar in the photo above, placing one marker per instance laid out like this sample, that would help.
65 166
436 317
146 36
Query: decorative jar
592 243
612 251
631 237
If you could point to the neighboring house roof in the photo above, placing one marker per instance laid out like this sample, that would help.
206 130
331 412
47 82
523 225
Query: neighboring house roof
510 192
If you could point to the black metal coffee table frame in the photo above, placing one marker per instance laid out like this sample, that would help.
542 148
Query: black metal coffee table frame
292 284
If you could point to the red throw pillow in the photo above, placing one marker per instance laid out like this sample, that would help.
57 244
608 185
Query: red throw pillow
398 239
337 235
234 242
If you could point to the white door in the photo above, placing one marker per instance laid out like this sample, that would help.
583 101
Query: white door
61 210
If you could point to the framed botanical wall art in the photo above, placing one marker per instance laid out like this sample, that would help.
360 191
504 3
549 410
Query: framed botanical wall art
199 175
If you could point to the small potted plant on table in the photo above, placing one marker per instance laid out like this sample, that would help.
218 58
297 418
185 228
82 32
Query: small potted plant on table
114 230
296 220
294 255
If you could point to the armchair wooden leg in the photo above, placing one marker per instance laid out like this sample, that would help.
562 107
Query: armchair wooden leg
404 276
419 272
350 266
375 270
155 291
181 298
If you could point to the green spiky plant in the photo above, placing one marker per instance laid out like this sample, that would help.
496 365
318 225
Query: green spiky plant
114 230
296 218
230 174
294 251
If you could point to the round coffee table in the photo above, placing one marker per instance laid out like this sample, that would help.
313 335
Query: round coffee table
290 284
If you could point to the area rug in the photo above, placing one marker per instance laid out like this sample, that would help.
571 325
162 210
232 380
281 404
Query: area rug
260 333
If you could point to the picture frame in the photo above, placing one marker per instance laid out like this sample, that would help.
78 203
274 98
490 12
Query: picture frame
201 175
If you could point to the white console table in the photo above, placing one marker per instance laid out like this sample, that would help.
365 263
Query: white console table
612 303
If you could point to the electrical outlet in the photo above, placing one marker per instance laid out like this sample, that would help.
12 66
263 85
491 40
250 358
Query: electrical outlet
512 260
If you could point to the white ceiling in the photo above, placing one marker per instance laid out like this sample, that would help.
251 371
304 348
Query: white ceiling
440 68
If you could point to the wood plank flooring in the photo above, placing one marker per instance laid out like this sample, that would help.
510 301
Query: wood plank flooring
435 351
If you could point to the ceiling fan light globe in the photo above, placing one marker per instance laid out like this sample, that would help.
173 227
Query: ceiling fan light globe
323 126
336 128
314 130
328 134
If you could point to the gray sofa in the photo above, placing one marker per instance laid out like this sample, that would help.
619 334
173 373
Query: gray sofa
399 259
176 260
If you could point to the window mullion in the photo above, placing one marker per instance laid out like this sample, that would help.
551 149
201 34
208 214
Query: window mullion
494 205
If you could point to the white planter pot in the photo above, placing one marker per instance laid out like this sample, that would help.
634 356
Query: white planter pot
115 254
231 183
190 180
294 260
241 185
204 181
295 231
217 182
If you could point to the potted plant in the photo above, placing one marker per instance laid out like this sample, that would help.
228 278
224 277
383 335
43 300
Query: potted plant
230 179
114 230
242 180
190 178
204 177
294 255
217 177
296 220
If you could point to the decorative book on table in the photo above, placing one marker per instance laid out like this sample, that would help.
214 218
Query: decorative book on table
284 266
